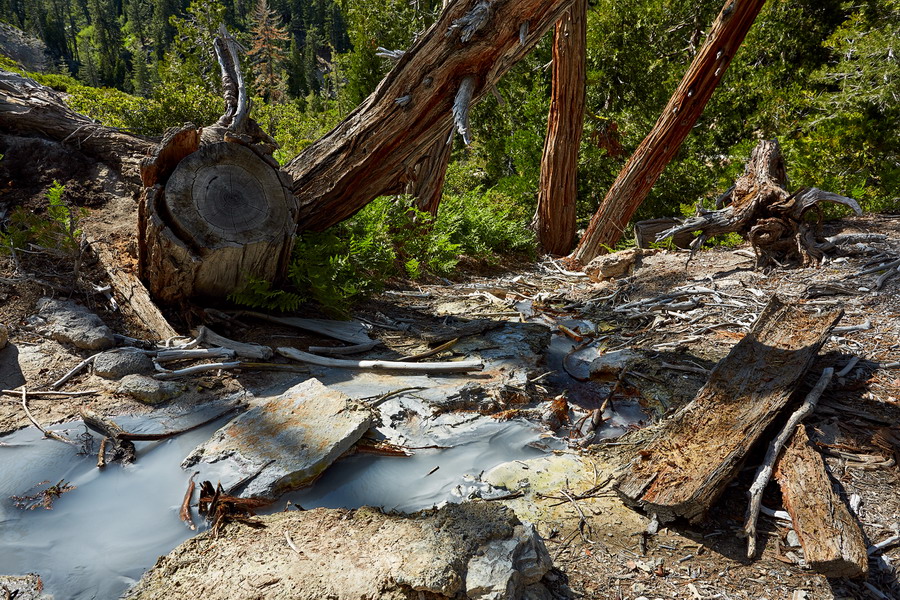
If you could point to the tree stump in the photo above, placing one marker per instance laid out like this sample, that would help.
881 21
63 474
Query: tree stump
221 217
760 208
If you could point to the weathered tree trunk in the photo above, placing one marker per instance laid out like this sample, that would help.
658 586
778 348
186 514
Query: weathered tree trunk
832 542
29 108
373 151
693 456
215 213
760 208
554 220
678 118
427 185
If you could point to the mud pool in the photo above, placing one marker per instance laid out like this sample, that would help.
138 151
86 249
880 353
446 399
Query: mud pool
100 537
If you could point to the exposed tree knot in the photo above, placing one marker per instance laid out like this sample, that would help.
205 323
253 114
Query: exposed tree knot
472 21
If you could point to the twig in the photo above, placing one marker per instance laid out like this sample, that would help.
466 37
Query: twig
155 437
47 433
101 454
75 370
851 364
582 523
185 512
461 366
432 352
49 394
290 542
883 544
197 369
354 349
850 328
764 473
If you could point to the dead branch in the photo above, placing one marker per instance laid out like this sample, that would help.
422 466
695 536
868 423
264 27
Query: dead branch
185 512
74 371
764 473
47 433
384 365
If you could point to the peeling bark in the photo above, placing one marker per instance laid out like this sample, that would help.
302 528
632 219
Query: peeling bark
554 220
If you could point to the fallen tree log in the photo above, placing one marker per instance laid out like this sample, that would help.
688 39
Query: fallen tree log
690 458
27 108
760 208
832 542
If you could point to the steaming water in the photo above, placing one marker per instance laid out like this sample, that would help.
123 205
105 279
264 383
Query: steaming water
99 538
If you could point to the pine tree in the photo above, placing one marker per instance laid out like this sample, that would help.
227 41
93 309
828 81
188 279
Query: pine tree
267 52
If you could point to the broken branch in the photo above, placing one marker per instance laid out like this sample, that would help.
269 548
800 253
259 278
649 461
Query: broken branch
764 473
461 366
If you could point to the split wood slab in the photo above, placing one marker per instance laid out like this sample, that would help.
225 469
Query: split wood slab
692 457
832 542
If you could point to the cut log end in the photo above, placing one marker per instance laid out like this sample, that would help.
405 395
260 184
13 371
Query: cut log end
223 216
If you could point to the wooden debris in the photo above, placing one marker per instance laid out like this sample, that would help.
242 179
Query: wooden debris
205 335
352 332
123 448
131 294
684 467
101 453
459 331
460 366
764 473
185 512
47 433
831 538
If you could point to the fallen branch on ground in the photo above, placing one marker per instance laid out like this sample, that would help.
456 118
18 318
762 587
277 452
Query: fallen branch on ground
383 365
764 473
47 433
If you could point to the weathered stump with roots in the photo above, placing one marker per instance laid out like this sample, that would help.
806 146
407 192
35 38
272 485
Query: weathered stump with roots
215 213
761 209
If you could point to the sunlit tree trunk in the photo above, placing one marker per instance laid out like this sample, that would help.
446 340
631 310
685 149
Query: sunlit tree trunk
554 220
427 185
678 118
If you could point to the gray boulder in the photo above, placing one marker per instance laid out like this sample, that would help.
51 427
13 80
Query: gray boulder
148 390
285 442
116 364
71 323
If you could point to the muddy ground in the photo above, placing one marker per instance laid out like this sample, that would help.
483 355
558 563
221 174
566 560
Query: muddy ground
600 547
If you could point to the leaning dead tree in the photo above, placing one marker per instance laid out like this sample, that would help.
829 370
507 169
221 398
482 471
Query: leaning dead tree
759 207
554 220
678 118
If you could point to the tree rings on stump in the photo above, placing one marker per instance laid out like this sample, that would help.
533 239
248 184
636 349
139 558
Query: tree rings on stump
223 216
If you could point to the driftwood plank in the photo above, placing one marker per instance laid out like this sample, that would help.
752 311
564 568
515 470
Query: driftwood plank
690 459
832 541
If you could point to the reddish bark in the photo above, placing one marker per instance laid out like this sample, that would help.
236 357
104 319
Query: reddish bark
678 118
554 220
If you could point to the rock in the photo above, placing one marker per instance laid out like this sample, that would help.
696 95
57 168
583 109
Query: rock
4 336
116 364
286 442
24 587
502 568
473 550
616 264
793 540
68 322
148 390
610 364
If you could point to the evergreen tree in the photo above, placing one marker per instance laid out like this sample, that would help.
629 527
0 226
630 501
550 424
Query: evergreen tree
267 52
